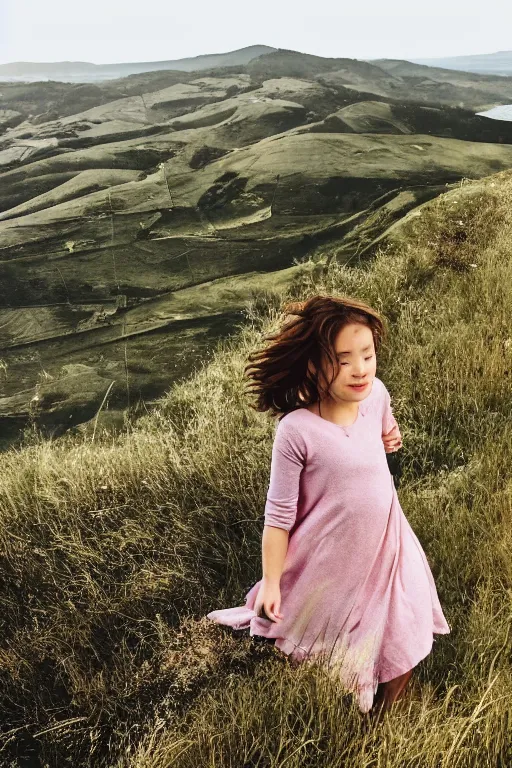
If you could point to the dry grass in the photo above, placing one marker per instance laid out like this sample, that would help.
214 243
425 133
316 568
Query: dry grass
112 551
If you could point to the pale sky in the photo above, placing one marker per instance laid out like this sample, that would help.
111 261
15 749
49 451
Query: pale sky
110 31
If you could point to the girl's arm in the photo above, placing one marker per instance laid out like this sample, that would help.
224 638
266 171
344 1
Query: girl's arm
391 436
288 459
274 547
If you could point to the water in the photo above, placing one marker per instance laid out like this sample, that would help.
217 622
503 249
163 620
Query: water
503 112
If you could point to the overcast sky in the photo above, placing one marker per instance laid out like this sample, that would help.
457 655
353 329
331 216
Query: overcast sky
108 31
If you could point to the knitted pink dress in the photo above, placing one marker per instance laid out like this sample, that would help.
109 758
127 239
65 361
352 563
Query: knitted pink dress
356 587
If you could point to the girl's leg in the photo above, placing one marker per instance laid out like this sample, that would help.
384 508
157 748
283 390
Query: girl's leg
389 692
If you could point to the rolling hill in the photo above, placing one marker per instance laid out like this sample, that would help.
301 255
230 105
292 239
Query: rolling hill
137 216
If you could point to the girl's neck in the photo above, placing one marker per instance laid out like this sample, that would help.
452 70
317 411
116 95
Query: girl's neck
338 414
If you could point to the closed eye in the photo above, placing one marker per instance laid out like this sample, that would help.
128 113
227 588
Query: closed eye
366 358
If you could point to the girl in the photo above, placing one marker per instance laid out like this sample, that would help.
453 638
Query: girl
344 576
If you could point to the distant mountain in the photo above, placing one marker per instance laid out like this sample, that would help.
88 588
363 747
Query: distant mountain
457 77
84 71
499 63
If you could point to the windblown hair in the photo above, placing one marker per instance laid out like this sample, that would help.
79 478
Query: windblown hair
281 376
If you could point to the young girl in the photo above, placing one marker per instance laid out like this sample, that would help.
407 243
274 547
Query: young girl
344 576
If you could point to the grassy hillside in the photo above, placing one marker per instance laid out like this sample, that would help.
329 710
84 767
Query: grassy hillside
113 550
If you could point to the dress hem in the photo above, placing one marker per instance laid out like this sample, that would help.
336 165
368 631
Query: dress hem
387 677
287 643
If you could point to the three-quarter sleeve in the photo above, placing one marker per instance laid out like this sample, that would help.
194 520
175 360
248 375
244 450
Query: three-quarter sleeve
388 419
288 460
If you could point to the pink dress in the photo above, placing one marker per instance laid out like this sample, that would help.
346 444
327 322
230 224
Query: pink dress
356 588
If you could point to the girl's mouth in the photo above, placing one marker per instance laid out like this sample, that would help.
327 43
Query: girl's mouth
358 387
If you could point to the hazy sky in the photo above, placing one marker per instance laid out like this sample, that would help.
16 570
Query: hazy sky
108 31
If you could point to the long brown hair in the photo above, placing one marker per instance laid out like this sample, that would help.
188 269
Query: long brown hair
280 373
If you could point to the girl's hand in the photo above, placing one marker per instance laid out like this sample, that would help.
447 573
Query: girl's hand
393 440
268 601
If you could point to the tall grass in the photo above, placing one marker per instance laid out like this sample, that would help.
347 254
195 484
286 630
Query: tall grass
113 550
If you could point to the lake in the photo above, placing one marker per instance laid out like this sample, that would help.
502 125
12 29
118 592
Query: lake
503 112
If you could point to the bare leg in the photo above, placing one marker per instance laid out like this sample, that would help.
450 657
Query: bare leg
389 692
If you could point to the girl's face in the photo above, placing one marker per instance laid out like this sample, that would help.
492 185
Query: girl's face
355 352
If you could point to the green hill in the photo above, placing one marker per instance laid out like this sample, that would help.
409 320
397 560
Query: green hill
113 550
